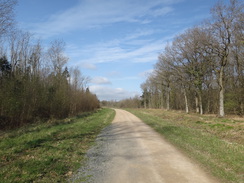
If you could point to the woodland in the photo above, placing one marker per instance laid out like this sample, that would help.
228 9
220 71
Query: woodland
35 82
202 69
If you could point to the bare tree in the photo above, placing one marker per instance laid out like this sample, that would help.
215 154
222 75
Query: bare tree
34 61
174 67
237 58
6 16
223 25
31 88
164 76
204 64
77 80
193 59
56 56
145 94
20 50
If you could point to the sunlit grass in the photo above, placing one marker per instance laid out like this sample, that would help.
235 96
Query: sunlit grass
217 144
49 152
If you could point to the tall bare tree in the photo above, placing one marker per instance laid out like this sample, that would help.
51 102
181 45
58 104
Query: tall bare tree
164 76
206 62
222 27
56 56
6 16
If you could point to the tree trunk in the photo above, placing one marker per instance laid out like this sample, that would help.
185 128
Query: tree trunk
197 103
149 101
162 97
162 101
199 95
221 92
200 104
186 101
242 108
167 98
208 106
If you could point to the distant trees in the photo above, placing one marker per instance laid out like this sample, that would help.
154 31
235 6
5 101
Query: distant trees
203 66
34 82
134 102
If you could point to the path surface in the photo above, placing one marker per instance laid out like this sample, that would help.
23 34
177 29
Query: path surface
129 151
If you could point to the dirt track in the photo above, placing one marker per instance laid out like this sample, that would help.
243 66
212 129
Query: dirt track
128 151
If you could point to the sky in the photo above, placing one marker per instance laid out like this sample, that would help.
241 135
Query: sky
114 42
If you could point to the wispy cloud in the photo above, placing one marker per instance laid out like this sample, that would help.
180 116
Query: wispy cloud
100 80
96 13
89 66
113 73
125 78
161 11
111 52
109 93
140 33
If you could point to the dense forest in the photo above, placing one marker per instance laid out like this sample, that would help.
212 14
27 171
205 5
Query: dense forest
35 83
202 69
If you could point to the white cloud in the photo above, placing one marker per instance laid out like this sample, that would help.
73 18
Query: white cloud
125 78
100 80
140 33
89 66
109 93
161 11
113 73
111 52
96 13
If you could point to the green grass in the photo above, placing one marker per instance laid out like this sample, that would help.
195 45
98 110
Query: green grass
214 143
49 152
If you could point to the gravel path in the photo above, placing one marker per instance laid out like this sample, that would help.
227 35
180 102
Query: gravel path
129 151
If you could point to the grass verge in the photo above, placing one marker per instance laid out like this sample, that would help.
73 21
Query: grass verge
49 152
217 144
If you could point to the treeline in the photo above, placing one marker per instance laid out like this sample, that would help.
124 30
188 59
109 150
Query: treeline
134 102
203 68
34 82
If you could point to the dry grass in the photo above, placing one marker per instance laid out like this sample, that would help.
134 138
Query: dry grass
216 143
230 128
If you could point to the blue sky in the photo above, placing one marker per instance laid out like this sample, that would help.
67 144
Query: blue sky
114 42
